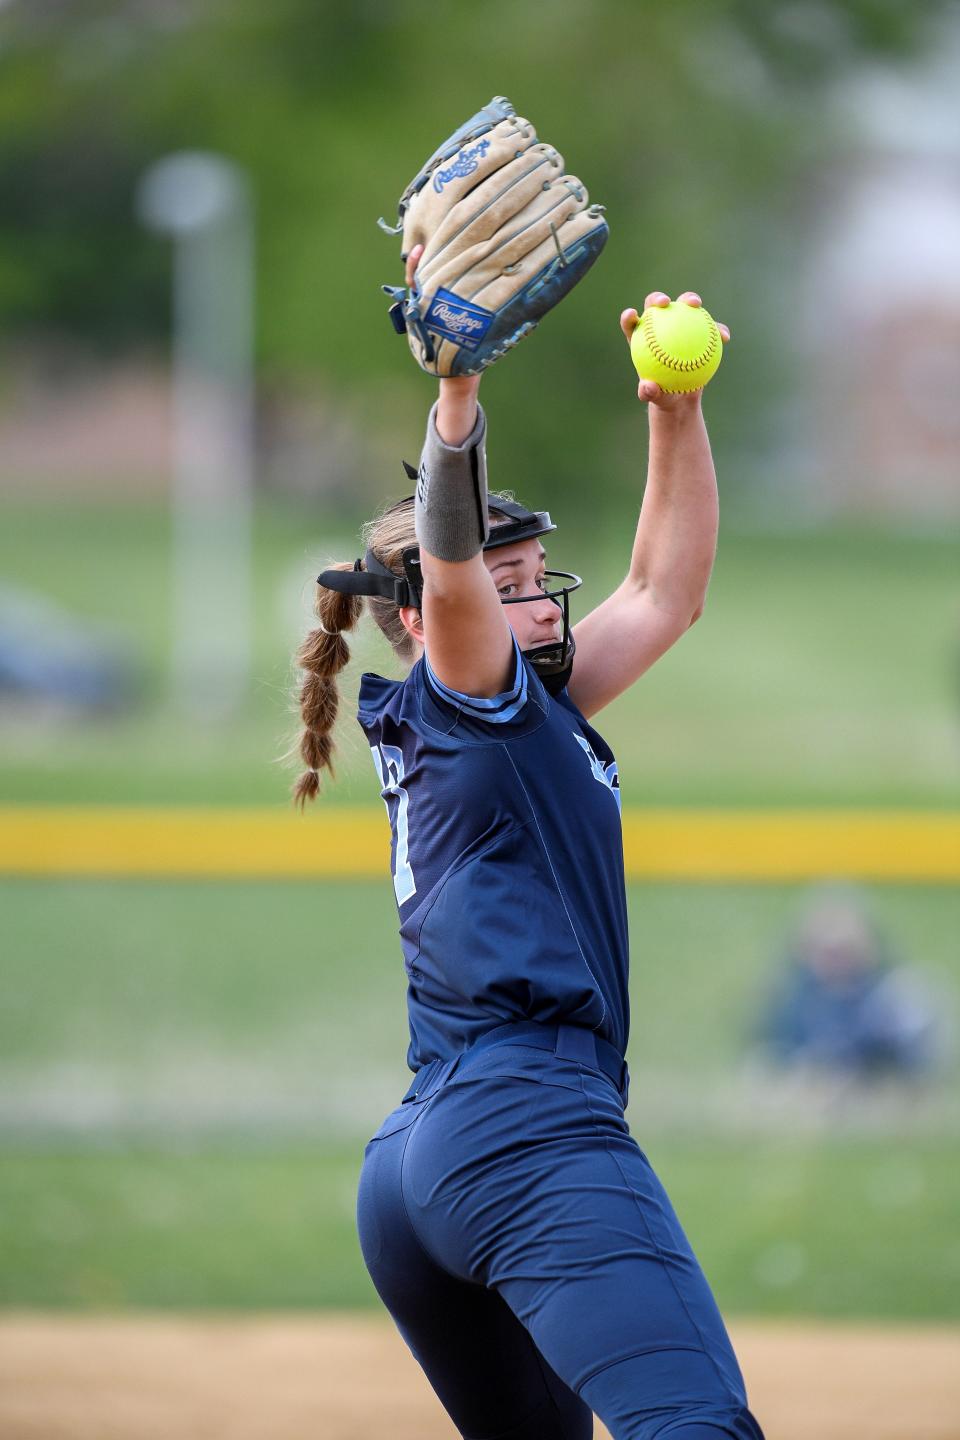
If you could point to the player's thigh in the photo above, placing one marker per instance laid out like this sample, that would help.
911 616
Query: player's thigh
483 1365
539 1192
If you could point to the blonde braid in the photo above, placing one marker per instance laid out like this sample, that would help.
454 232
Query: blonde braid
321 657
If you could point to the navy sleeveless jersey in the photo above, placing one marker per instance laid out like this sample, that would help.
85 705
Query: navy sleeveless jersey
507 858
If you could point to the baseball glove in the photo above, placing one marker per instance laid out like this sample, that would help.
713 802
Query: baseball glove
506 235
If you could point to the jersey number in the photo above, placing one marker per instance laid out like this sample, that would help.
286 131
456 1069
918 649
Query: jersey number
388 760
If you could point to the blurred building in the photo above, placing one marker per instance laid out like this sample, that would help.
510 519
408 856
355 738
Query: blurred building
71 426
881 296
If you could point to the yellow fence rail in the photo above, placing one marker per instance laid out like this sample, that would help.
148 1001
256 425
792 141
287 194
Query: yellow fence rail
337 843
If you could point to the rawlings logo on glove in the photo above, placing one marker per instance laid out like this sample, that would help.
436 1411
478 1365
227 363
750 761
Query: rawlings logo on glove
465 164
457 320
506 235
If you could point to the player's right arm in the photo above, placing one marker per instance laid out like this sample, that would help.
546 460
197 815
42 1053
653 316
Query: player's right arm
466 636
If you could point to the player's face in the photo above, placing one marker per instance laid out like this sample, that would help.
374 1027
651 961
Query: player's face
518 572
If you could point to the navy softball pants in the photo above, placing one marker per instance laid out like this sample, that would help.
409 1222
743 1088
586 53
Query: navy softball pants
532 1261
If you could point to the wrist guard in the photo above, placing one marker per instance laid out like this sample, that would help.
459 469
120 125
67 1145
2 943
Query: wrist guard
450 508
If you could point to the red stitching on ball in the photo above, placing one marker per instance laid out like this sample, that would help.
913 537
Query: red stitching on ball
670 361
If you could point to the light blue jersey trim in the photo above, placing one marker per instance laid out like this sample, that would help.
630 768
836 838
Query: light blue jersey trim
497 708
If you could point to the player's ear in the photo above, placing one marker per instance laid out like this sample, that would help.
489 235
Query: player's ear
412 622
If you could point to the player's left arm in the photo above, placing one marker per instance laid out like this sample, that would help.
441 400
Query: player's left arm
673 552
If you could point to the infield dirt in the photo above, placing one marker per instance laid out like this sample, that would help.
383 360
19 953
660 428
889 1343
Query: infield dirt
349 1377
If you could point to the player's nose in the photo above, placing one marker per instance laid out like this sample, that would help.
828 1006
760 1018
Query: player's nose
546 612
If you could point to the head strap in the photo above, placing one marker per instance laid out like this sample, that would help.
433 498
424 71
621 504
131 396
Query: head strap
370 577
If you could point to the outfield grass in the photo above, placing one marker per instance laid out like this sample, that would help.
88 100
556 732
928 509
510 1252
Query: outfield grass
189 1072
824 669
829 1228
292 977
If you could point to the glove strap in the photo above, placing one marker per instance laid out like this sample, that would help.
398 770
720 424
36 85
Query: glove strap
404 316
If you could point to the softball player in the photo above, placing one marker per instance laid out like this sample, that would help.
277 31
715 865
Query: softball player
512 1226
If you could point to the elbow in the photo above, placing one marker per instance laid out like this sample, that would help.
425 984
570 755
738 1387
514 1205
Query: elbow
700 604
672 599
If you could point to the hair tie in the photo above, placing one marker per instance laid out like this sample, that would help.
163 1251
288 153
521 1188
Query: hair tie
323 627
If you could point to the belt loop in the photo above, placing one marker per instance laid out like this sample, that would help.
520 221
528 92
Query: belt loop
575 1043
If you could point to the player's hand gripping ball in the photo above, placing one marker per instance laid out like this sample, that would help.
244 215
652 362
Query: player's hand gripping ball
679 346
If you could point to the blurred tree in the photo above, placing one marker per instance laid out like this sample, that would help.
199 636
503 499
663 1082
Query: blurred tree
694 122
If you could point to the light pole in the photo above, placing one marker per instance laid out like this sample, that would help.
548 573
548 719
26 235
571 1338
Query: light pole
203 202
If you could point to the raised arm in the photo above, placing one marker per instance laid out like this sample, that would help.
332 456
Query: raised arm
665 587
465 632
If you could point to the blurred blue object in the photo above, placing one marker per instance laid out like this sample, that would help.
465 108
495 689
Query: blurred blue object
49 656
842 1004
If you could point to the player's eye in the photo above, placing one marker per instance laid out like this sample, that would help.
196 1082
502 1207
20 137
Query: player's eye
542 582
506 590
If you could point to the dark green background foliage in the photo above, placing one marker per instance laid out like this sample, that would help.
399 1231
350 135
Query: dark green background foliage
697 123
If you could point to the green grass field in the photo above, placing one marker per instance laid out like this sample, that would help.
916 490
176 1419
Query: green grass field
189 1073
825 669
815 1228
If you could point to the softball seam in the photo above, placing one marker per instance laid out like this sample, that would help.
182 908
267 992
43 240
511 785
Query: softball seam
670 361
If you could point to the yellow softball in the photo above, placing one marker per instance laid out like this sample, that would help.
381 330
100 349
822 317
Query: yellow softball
677 345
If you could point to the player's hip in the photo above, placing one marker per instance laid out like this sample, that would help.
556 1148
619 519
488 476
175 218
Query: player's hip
486 1099
508 1140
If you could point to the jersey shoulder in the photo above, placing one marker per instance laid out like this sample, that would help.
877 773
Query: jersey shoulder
424 703
376 695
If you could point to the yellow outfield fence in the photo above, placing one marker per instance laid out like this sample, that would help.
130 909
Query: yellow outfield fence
338 843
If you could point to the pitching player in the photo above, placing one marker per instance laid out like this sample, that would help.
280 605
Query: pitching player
512 1226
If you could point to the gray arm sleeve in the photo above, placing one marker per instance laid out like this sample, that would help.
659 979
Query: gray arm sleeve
451 502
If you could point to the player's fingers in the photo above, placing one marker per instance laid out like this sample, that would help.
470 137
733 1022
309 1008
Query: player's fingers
656 297
412 261
648 390
689 297
724 333
629 320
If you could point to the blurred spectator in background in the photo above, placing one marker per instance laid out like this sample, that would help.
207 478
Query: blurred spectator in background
843 1004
